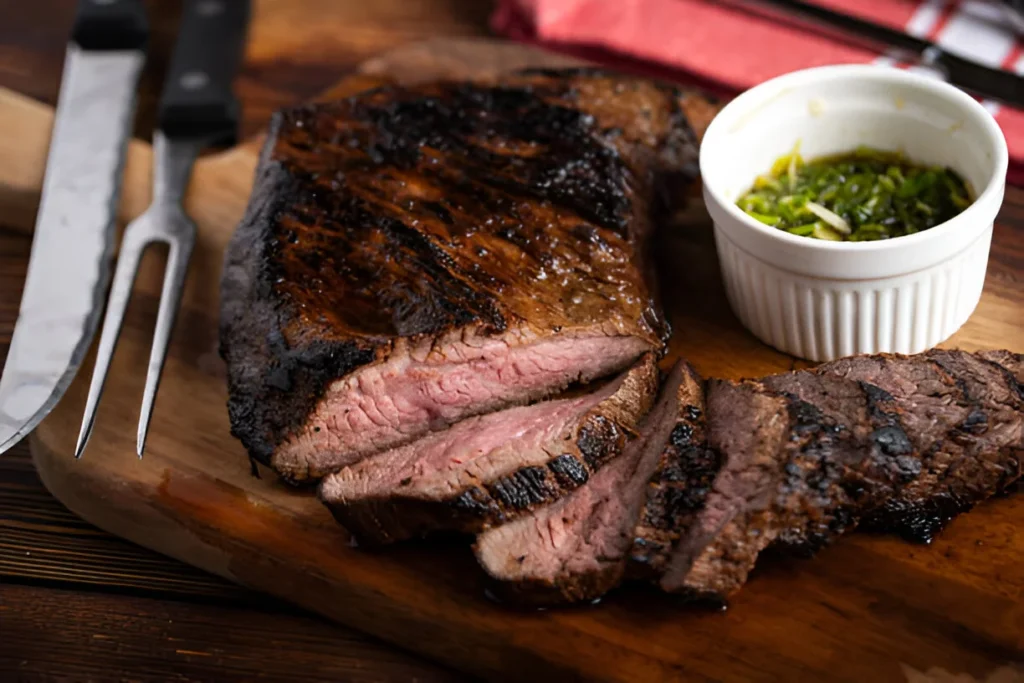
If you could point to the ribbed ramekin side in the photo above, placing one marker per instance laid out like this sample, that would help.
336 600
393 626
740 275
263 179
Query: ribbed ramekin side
821 319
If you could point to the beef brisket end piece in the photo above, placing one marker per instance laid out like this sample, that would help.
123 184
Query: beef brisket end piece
676 490
414 256
577 548
493 468
964 416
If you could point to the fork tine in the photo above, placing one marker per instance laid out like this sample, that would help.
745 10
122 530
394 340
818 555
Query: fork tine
174 282
132 245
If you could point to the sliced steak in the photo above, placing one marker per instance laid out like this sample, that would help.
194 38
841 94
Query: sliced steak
676 490
492 468
883 441
751 428
963 414
823 449
862 457
414 256
577 548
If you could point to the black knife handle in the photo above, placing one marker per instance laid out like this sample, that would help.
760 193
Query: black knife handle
197 99
110 25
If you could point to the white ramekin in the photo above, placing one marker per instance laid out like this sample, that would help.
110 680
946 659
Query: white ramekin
820 300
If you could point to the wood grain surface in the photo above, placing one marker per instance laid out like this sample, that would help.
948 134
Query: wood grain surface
296 48
125 637
867 608
58 573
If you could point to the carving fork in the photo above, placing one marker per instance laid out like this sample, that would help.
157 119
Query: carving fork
197 109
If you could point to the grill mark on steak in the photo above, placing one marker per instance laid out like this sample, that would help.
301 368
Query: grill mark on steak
749 427
865 457
490 469
441 216
826 449
801 495
679 485
576 549
1012 364
963 413
887 442
468 119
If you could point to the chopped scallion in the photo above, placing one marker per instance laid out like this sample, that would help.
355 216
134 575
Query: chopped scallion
864 195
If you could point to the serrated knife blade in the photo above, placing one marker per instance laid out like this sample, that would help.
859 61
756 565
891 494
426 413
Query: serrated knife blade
69 264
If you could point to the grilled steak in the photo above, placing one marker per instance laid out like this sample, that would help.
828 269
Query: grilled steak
963 415
681 481
576 549
893 442
1011 362
750 428
414 256
489 469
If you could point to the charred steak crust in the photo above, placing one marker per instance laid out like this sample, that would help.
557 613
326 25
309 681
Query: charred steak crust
750 428
1012 364
676 491
597 438
577 548
963 415
831 450
411 213
860 457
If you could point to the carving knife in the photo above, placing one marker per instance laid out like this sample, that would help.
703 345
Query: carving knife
69 265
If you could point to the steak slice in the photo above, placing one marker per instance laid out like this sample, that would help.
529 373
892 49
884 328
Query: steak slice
413 256
751 428
862 455
829 449
964 415
492 468
577 548
823 449
676 490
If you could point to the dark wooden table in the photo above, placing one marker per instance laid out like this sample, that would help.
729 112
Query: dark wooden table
78 604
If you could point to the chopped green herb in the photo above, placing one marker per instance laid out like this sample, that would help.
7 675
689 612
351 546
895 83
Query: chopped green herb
863 195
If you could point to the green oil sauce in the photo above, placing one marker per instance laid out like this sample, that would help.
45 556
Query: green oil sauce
863 195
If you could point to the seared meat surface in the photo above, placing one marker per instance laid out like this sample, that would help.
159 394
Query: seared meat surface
896 443
962 415
577 548
750 428
415 256
490 469
680 482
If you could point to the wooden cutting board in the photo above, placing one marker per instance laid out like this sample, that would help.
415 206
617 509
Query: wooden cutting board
868 608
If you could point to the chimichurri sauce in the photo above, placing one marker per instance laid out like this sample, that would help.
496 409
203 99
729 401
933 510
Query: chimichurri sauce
863 195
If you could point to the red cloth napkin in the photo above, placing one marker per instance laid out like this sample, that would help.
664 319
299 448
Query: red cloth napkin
728 49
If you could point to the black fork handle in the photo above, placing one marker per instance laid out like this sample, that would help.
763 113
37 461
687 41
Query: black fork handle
197 99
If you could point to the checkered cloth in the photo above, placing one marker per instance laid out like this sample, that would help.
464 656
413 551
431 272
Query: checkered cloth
728 49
